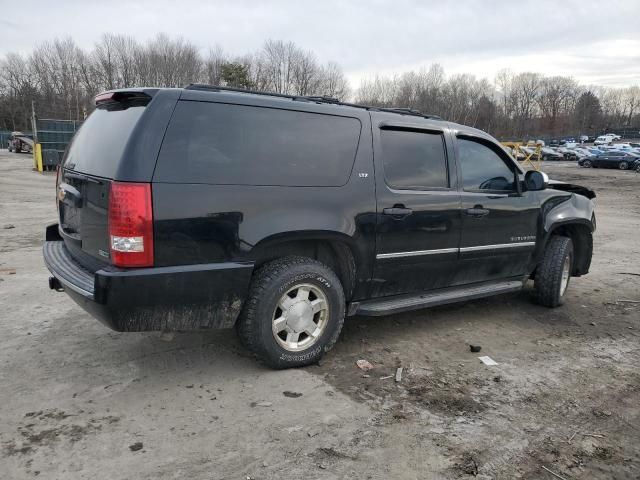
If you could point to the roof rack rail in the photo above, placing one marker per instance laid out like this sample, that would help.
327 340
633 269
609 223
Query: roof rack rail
219 88
311 98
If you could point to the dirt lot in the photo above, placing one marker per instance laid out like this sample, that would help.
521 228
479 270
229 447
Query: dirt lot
80 401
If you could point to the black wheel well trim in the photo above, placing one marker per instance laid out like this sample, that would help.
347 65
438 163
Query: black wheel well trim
337 250
580 231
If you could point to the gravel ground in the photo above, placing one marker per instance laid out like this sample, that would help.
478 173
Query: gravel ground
80 401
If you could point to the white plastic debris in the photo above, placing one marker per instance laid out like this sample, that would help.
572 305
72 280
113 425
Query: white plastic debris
364 365
488 360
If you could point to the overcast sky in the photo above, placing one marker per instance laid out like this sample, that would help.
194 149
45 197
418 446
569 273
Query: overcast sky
597 42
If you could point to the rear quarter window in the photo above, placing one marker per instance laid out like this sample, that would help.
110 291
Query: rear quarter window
225 144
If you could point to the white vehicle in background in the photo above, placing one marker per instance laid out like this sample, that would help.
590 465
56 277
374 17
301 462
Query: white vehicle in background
623 146
606 139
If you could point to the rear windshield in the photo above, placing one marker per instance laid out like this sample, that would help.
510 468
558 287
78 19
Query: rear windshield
218 143
98 146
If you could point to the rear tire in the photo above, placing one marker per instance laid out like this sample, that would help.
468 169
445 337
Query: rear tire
587 164
623 165
294 312
554 272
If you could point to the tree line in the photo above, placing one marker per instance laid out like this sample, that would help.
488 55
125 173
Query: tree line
60 79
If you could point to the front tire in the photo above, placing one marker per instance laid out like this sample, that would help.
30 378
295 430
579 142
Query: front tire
623 165
294 312
554 271
587 164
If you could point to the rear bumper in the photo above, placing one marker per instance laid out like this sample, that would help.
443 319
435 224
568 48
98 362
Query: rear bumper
190 297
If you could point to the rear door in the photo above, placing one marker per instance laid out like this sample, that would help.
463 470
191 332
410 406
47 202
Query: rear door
91 162
499 225
418 208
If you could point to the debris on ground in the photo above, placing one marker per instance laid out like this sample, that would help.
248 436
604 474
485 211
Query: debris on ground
290 394
167 336
9 226
8 270
134 447
468 464
364 365
488 361
260 404
553 473
399 374
475 348
335 453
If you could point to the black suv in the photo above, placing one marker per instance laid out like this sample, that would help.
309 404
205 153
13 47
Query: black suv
205 207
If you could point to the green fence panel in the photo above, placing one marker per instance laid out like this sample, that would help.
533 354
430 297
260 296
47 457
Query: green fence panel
54 136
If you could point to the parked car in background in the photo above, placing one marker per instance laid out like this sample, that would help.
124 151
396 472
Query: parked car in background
595 151
613 159
583 152
19 143
622 146
550 154
567 153
603 140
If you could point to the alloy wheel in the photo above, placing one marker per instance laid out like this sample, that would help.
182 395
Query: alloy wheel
300 317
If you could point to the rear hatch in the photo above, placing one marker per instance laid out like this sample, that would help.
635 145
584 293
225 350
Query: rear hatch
88 169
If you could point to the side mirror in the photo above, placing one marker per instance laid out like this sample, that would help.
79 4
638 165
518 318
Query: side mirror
535 180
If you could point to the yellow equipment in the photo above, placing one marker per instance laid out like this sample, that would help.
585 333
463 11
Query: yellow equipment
525 157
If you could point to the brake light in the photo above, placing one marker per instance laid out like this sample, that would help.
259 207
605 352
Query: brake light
121 96
104 98
131 224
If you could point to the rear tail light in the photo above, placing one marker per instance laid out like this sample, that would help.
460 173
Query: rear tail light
131 224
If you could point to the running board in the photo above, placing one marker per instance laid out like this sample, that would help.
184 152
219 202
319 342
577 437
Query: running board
404 303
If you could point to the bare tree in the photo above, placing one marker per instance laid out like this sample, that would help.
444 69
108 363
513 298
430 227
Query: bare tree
333 83
212 65
61 79
524 92
105 61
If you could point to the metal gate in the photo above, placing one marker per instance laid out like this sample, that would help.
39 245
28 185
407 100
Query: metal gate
52 138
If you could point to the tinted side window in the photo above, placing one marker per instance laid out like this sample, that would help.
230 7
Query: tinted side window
234 144
482 168
414 160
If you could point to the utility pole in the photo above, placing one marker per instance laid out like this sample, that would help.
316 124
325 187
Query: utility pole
34 126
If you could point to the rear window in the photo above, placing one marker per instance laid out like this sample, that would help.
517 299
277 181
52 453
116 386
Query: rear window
218 143
98 145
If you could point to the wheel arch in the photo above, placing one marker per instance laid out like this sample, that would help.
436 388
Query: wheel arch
579 230
338 251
